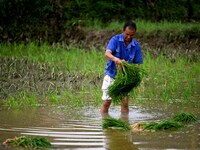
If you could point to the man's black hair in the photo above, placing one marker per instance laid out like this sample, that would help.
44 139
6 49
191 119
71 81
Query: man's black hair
130 24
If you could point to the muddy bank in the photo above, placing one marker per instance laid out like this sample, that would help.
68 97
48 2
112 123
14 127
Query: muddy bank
42 79
169 43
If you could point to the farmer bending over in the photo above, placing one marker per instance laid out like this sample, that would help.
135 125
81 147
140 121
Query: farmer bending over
120 47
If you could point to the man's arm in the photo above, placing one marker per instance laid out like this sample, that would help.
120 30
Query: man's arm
109 56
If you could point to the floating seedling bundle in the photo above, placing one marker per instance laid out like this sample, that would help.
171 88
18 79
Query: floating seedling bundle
28 142
129 76
180 120
115 123
164 125
185 118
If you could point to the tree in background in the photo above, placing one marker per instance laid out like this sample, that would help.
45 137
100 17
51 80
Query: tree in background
49 20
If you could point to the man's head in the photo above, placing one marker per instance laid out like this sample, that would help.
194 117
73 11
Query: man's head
129 31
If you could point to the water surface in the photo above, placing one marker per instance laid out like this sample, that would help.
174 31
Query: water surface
81 128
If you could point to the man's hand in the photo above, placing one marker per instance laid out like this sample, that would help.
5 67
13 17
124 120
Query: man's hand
118 62
109 56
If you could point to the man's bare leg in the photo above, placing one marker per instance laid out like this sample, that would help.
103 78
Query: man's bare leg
105 106
124 105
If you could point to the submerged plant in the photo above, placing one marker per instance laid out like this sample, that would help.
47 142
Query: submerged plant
129 76
185 118
112 122
27 142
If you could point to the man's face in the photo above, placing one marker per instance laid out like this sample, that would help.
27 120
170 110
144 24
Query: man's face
129 33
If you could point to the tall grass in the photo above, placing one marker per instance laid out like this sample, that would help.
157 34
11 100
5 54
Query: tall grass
170 81
166 80
143 26
70 58
22 99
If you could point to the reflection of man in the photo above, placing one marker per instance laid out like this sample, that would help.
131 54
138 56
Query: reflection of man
120 47
117 140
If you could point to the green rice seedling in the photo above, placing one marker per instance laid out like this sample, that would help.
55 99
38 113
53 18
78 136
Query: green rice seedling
168 124
21 99
185 118
178 121
28 142
149 126
129 76
13 102
164 125
54 98
118 123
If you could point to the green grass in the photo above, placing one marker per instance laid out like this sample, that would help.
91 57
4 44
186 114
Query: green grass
70 58
164 125
166 80
28 142
170 81
179 120
116 123
185 118
22 99
148 27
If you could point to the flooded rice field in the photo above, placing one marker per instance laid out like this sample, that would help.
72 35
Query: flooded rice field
81 129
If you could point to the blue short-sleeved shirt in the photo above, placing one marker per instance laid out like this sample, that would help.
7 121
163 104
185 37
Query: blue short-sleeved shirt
131 53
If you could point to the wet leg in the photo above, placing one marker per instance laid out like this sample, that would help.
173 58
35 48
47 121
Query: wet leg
105 106
124 105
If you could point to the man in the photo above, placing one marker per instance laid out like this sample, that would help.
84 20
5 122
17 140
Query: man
121 47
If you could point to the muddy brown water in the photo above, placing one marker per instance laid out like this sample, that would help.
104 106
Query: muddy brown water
81 128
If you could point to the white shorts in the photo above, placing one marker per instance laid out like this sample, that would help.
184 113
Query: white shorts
107 81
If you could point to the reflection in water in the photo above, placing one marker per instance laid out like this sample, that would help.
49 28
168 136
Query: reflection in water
80 129
118 140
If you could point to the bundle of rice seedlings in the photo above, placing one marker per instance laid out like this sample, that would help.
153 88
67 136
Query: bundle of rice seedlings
27 142
168 124
129 76
164 125
117 123
178 121
150 126
185 118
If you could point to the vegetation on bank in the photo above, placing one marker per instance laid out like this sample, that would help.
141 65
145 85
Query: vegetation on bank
56 21
146 26
34 75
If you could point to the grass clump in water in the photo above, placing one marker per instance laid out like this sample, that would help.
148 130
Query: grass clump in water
27 142
118 123
178 121
164 125
185 118
129 76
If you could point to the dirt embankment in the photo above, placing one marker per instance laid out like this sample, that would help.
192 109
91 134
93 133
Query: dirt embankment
169 43
22 75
